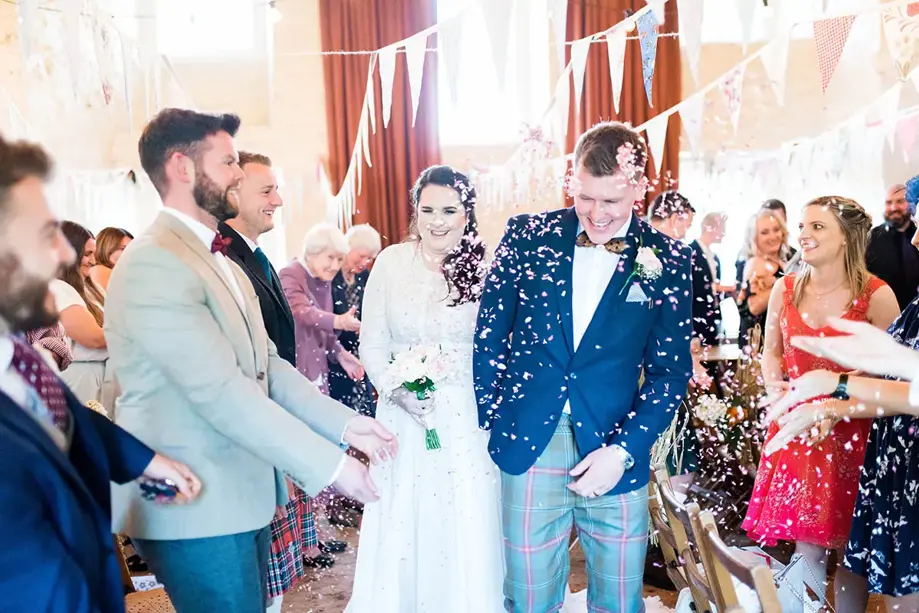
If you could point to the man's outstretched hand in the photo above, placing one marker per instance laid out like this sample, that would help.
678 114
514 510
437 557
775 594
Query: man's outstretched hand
369 436
354 482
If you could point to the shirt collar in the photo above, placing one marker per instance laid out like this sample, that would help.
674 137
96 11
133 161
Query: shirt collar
205 234
620 233
252 244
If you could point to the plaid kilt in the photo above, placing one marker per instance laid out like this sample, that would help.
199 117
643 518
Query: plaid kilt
293 534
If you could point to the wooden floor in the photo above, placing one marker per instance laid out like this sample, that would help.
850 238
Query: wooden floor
328 591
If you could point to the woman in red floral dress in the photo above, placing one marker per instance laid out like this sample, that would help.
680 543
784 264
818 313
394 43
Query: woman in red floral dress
805 493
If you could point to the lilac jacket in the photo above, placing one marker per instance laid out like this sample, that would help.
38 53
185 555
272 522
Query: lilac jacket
310 302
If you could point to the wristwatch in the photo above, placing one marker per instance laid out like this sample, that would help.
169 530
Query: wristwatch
627 460
841 392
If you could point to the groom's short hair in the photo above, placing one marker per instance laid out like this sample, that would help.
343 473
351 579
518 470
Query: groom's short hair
598 149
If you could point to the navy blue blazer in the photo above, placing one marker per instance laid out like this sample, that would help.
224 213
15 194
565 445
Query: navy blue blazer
525 366
706 303
58 554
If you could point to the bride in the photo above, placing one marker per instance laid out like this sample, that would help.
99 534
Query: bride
433 541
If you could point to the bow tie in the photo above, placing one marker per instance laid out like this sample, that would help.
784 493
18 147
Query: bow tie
613 245
220 243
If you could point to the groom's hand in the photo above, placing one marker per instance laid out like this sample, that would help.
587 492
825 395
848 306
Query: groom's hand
354 482
599 472
369 436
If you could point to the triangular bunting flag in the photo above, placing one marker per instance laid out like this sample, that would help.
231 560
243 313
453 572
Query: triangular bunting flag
127 67
615 49
691 111
497 15
746 9
732 87
415 49
578 63
884 111
690 12
560 106
775 62
647 38
524 60
450 48
657 7
656 130
369 94
364 129
387 59
28 26
72 27
830 36
907 130
559 29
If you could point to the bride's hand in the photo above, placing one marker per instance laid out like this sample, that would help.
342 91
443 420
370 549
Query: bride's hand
411 404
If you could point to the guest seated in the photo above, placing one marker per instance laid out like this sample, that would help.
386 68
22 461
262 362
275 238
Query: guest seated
110 244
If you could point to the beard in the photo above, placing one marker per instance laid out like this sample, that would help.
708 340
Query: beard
213 200
25 302
896 219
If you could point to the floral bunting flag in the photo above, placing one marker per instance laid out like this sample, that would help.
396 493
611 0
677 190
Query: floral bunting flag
656 131
579 51
901 28
387 60
615 49
647 38
831 36
415 49
657 7
732 88
690 12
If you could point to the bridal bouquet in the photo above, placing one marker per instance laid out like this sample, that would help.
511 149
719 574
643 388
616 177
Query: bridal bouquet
419 368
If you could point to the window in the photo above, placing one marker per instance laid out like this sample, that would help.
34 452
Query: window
485 113
208 29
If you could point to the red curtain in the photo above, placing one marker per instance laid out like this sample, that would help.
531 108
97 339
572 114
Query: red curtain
587 17
398 152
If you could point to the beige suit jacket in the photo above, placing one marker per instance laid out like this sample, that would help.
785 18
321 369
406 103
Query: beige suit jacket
202 383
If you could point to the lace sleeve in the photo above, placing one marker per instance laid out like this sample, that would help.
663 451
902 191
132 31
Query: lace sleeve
375 336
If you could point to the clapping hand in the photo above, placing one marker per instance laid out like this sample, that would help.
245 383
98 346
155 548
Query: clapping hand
417 408
599 472
347 321
369 436
354 482
864 348
785 395
351 365
161 467
811 421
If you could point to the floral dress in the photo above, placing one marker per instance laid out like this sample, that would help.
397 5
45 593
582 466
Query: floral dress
884 541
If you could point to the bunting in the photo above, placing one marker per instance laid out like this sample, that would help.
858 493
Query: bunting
732 88
559 28
647 38
615 49
656 131
831 36
387 59
450 43
907 130
746 10
690 13
691 112
415 49
497 15
579 52
775 62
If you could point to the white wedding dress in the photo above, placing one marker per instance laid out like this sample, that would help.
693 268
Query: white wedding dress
432 544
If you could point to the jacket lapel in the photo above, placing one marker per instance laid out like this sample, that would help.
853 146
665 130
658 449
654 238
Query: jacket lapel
616 291
564 247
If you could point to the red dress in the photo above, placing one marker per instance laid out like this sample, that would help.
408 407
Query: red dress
806 493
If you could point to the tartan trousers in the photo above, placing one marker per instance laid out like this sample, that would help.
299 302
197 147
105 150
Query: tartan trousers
538 513
293 535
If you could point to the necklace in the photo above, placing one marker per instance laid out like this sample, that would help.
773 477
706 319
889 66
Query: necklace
820 295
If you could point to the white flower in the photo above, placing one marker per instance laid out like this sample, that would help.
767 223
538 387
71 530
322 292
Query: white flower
647 264
710 410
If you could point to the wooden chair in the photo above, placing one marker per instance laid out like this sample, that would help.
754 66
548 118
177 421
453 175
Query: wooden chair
678 524
722 562
152 601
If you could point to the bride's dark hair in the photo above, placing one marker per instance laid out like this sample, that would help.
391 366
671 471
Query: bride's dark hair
464 268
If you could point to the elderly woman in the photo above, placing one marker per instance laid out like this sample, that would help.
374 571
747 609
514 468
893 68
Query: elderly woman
347 294
307 283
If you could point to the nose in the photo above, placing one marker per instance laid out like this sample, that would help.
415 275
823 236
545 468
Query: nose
277 201
238 174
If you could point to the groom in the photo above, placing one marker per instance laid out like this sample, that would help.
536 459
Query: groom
579 303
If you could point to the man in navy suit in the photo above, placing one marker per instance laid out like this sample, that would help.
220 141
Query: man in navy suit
579 303
58 457
706 280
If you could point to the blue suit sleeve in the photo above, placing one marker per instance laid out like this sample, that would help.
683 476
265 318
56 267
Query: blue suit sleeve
495 324
37 572
127 457
667 363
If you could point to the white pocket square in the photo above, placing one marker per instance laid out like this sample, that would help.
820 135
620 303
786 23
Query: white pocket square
636 294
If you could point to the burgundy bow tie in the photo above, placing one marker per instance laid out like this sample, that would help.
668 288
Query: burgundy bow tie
220 244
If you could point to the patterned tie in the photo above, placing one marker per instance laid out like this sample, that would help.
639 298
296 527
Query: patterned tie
33 370
263 262
220 244
613 245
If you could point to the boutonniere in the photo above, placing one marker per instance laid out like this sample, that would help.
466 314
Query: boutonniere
647 266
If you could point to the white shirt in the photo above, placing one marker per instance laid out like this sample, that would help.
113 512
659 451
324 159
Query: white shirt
712 264
251 243
592 270
65 296
207 237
